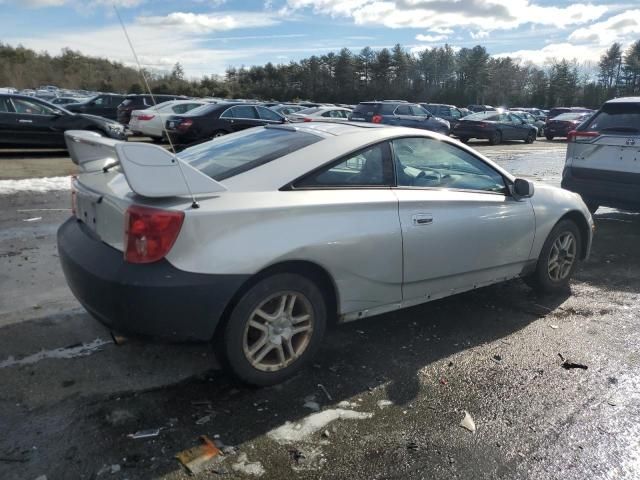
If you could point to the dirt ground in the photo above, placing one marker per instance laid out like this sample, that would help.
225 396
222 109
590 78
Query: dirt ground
384 398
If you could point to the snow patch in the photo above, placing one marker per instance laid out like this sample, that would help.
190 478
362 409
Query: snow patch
39 185
296 432
243 465
83 350
384 403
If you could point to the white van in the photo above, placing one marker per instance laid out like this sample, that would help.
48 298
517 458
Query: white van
603 157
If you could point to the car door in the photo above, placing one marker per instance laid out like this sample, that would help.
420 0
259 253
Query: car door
520 127
8 124
34 122
460 227
359 240
402 116
240 117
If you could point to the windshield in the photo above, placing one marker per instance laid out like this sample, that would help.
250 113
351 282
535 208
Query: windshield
491 116
228 156
569 116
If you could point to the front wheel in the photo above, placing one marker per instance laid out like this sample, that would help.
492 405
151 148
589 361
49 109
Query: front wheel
274 330
530 138
496 138
464 139
558 259
549 137
218 134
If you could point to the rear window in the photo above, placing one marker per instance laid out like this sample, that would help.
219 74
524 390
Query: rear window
490 116
367 108
616 117
228 156
569 116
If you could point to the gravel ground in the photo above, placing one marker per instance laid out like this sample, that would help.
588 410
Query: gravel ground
384 399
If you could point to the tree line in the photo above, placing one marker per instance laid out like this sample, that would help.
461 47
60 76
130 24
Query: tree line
439 74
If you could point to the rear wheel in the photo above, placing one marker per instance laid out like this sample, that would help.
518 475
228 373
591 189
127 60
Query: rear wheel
530 138
274 330
496 138
218 134
558 259
549 137
464 139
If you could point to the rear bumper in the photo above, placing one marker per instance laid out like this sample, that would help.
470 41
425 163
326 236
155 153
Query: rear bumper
154 300
463 133
604 187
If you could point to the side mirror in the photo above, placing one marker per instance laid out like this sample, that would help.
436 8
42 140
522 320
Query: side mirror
522 188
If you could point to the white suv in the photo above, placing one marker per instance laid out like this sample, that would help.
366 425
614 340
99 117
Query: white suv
603 157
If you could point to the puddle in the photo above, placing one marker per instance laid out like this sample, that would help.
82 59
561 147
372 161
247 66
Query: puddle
82 350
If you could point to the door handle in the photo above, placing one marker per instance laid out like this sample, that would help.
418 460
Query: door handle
421 219
25 121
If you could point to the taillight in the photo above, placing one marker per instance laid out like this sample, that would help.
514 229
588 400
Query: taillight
184 125
150 233
575 135
74 196
376 119
482 125
307 119
145 117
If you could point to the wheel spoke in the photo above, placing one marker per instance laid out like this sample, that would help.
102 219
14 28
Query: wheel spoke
281 356
289 345
263 353
261 342
258 326
291 304
300 318
301 329
264 315
282 307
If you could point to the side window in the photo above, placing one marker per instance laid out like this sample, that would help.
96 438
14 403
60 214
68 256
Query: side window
4 105
403 110
244 111
455 113
268 114
228 113
99 101
425 162
370 167
418 111
30 107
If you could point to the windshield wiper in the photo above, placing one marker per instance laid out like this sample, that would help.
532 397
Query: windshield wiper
620 129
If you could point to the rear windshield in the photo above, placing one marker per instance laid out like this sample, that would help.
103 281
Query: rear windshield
228 156
491 116
616 117
367 108
570 116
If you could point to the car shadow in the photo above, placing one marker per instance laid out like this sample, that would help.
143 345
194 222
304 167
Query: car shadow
13 153
392 356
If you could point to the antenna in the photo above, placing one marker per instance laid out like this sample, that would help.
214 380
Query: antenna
194 202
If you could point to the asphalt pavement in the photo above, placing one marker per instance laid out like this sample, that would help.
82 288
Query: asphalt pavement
385 397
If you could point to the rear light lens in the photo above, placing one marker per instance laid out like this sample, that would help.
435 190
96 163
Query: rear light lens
74 196
150 233
576 136
483 125
307 119
376 119
184 125
145 117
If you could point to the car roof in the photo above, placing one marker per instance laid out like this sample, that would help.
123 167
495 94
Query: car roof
624 100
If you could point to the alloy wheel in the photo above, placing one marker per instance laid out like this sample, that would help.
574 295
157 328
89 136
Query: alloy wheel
562 256
278 331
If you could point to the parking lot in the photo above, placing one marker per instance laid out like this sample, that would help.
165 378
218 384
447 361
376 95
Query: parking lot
384 399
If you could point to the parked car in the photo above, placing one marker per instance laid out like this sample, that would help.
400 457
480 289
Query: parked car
554 112
151 121
104 105
29 121
531 120
450 113
320 113
561 125
286 109
400 113
480 108
297 227
495 127
603 154
218 119
140 102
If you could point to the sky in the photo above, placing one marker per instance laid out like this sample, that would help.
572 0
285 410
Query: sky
207 36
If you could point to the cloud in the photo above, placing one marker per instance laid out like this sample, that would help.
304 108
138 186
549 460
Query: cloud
430 38
442 15
619 28
479 34
211 22
79 4
581 53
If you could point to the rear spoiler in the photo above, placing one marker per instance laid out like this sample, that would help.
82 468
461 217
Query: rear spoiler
150 170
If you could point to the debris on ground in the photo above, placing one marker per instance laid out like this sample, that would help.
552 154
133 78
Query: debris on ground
568 364
347 404
195 459
32 219
384 403
443 381
311 405
413 446
497 358
296 455
555 327
150 433
468 423
203 420
299 431
321 387
119 417
243 465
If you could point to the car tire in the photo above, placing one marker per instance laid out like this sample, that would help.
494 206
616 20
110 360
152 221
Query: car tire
552 273
541 132
218 134
464 139
496 138
261 324
530 138
549 137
